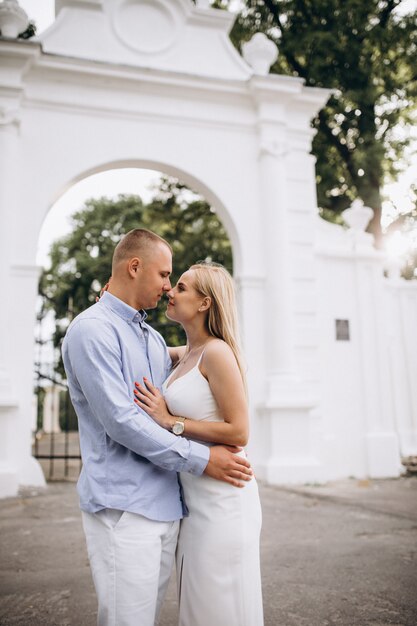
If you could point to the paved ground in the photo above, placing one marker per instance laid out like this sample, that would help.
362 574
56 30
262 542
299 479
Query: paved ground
344 554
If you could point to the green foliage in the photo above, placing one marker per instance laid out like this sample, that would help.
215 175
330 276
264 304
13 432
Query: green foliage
29 32
40 398
81 261
68 420
366 52
216 4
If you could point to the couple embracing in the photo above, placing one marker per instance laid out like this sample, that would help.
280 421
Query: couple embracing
161 433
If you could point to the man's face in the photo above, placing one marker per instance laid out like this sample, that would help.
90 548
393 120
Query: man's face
153 279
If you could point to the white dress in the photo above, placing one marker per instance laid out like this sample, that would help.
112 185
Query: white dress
218 570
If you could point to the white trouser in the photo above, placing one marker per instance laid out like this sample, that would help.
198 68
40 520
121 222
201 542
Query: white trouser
131 559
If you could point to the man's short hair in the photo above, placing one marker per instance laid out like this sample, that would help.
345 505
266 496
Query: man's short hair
136 242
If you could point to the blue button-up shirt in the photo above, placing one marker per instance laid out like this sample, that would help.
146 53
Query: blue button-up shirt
129 462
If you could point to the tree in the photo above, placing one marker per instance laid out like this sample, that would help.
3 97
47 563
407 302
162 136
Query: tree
29 32
81 261
365 50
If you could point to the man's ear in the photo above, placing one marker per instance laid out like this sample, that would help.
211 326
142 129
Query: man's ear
133 266
205 304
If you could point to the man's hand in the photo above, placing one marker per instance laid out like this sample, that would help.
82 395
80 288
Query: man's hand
224 464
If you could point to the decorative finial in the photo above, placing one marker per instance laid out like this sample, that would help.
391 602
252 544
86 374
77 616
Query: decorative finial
260 53
358 216
13 19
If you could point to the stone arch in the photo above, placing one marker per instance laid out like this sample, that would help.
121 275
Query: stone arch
196 184
80 99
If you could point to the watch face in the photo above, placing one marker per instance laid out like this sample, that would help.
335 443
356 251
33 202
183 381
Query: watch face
178 428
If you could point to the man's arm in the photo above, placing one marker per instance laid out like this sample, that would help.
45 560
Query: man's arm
92 358
226 466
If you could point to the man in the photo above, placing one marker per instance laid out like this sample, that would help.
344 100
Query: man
129 490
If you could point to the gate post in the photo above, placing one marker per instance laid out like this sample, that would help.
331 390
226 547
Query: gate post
289 411
17 466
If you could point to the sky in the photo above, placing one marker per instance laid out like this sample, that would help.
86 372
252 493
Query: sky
112 183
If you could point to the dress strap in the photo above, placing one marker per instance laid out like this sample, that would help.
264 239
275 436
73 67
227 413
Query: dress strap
200 357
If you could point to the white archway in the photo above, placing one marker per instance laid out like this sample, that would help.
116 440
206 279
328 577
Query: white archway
89 95
74 104
193 183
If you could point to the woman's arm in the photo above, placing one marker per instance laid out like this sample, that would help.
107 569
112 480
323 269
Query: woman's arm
220 368
176 353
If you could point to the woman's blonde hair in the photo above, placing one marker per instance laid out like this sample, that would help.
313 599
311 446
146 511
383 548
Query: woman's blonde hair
214 281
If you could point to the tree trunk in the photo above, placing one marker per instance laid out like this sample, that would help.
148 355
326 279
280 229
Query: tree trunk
374 227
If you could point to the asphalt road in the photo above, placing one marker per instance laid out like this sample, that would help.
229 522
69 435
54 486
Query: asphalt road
342 554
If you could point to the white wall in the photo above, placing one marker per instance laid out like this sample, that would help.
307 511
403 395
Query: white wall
320 409
368 401
70 107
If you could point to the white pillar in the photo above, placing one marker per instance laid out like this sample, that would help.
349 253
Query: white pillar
382 444
23 290
278 286
17 466
250 295
381 439
9 125
288 418
9 482
401 324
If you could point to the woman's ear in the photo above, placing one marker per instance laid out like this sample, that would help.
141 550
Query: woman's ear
205 304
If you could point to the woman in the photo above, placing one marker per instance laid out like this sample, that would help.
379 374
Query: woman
204 398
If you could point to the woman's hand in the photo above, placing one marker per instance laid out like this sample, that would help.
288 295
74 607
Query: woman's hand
150 399
103 289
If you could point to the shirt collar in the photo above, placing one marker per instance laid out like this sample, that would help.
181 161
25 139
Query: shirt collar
123 310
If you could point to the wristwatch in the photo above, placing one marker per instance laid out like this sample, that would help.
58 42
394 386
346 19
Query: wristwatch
178 426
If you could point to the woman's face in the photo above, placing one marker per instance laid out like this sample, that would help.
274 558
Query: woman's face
184 301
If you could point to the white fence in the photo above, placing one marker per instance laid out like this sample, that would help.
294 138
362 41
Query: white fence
401 330
368 357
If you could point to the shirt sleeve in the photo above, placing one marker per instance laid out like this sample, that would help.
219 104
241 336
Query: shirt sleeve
93 359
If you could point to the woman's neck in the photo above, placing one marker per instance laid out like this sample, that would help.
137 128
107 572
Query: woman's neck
196 336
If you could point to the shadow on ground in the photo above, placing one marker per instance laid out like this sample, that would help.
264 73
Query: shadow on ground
342 554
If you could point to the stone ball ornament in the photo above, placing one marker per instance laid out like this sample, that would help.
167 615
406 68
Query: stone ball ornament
260 53
13 19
